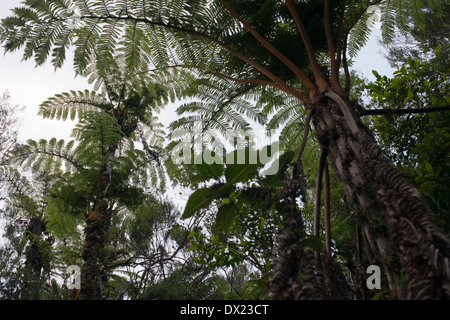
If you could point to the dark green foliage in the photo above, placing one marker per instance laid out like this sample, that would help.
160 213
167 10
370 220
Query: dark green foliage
199 33
418 143
189 283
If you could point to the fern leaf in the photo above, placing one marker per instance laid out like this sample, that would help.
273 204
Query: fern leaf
73 104
49 156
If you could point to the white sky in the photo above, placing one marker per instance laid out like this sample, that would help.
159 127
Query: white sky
29 86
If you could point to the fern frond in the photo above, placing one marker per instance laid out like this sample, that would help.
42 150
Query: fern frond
72 104
58 220
14 182
50 156
95 131
359 35
388 14
222 105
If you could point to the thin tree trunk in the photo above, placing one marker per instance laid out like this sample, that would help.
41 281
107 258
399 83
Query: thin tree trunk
34 260
96 234
319 183
399 226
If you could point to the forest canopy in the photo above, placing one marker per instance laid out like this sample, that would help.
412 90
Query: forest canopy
301 175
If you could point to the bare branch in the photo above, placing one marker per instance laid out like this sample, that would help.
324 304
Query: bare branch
299 73
365 112
321 82
305 137
316 231
331 48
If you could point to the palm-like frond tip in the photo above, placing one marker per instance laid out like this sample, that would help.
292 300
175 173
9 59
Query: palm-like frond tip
50 156
73 104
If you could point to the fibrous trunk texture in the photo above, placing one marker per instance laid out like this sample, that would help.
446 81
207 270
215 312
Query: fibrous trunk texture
400 228
34 259
94 242
291 257
96 234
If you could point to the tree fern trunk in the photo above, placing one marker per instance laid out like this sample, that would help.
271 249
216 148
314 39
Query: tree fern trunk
34 260
96 233
398 224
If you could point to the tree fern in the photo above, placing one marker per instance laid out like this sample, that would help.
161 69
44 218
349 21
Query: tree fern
286 117
359 35
151 35
14 182
394 15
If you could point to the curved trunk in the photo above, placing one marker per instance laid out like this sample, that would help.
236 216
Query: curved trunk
399 226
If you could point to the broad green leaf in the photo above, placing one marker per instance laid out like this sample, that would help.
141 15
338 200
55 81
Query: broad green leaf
210 171
200 199
376 74
241 167
225 217
285 159
221 190
235 173
199 260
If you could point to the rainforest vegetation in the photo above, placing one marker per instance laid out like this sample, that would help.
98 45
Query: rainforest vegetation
350 173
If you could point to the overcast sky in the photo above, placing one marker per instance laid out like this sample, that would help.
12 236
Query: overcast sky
29 86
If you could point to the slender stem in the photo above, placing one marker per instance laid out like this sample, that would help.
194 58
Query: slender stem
299 73
368 251
305 137
237 94
340 37
249 81
327 208
321 82
316 227
326 22
346 69
403 111
345 110
331 48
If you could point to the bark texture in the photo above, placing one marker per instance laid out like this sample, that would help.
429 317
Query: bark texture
398 224
36 260
96 233
292 257
94 242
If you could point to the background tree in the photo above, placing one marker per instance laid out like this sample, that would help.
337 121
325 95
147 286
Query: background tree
417 143
427 33
9 127
104 170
